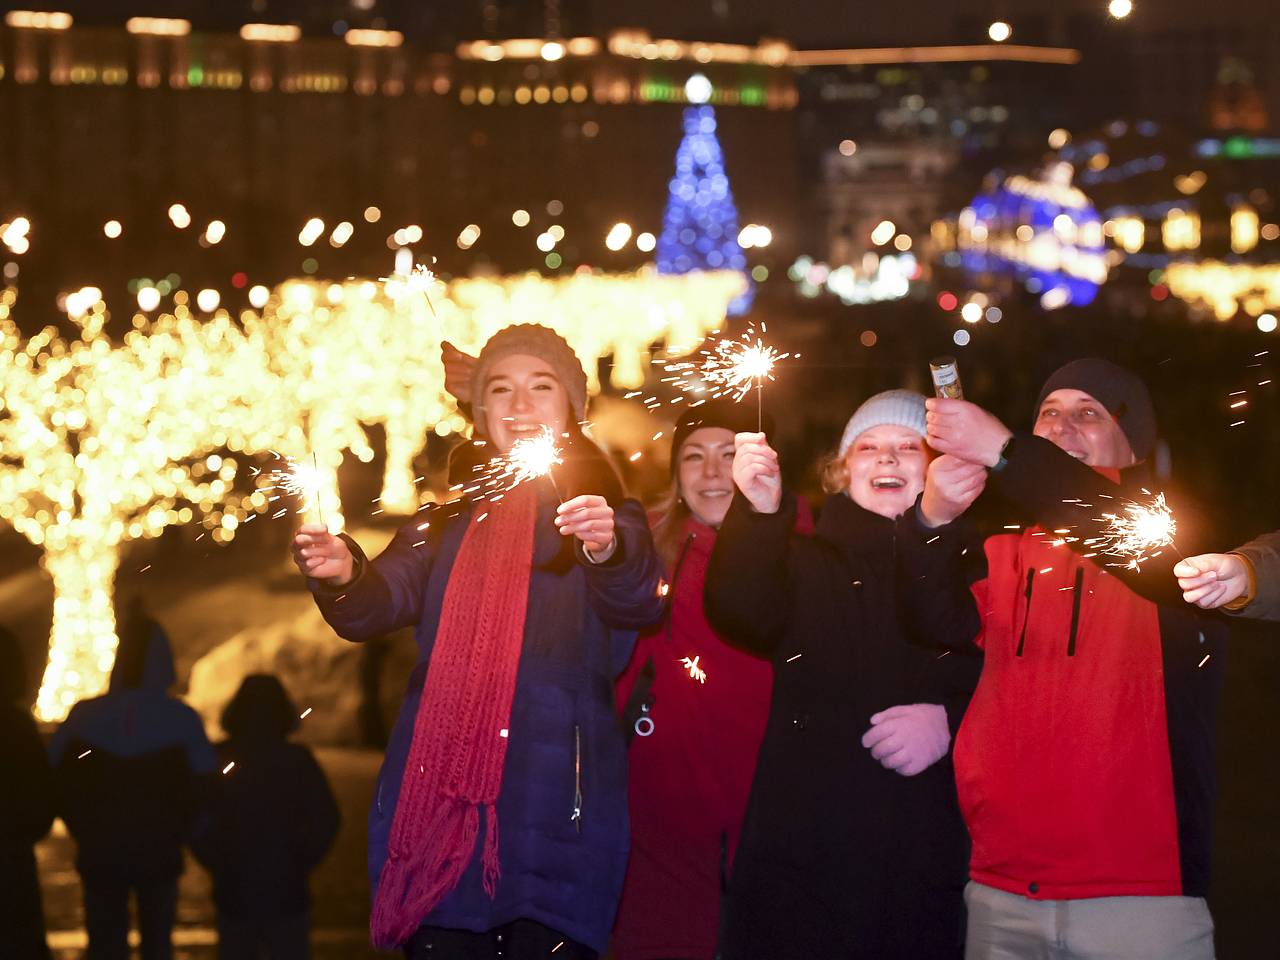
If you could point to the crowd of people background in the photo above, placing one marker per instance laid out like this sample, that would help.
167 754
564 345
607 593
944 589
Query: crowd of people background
932 723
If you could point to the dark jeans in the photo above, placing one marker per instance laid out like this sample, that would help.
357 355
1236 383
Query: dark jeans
276 938
106 916
519 940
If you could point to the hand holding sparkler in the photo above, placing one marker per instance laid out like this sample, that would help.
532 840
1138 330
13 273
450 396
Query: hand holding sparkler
590 519
1212 580
322 556
756 472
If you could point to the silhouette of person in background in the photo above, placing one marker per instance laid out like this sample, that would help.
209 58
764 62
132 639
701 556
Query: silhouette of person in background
26 811
270 821
130 768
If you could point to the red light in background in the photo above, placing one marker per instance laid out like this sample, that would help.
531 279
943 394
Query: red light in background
239 279
947 300
1159 293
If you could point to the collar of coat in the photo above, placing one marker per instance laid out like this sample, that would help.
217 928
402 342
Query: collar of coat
852 529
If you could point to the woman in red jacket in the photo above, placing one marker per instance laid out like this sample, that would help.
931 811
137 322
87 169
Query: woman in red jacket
695 710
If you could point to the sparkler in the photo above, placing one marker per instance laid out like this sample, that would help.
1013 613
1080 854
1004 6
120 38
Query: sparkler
529 458
420 280
730 368
1139 534
302 480
695 672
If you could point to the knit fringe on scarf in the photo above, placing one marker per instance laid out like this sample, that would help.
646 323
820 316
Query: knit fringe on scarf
459 745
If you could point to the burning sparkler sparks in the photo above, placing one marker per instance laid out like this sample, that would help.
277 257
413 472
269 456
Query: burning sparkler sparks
1139 534
529 458
420 280
695 672
300 479
730 368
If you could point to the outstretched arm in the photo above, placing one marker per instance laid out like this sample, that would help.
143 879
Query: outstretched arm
1245 581
362 598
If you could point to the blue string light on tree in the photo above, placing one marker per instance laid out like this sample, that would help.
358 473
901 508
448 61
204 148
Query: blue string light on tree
700 224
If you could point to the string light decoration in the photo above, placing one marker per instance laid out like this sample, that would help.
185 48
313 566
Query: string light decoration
1043 231
1226 288
102 443
700 225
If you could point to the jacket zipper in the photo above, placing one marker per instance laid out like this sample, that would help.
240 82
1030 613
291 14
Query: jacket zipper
1026 617
577 778
1075 611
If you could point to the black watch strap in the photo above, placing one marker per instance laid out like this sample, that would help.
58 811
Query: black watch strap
1005 452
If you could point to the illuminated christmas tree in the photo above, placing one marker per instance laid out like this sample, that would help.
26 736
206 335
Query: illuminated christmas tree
700 225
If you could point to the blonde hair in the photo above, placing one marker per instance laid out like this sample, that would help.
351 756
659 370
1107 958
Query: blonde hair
834 472
670 514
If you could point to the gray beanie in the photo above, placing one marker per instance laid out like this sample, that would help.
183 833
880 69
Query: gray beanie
533 340
899 408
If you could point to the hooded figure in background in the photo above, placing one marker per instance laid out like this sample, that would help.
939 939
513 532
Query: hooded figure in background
26 811
270 821
128 768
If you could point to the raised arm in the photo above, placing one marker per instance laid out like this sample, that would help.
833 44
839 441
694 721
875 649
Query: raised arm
748 592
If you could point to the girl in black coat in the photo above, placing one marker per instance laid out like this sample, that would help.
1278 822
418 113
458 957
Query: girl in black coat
853 846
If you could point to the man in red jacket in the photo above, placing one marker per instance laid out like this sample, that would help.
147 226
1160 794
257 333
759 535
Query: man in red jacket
1085 764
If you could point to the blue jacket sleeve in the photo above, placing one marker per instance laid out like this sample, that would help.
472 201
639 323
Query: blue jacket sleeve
624 589
386 593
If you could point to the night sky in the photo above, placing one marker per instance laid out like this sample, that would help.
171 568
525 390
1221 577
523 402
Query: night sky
815 23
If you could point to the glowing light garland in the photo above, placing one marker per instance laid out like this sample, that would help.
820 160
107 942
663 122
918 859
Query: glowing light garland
102 443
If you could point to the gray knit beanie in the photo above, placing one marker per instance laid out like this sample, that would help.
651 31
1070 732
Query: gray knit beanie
533 340
899 408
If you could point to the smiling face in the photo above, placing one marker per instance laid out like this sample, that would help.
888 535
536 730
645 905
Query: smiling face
1080 425
886 467
521 396
704 471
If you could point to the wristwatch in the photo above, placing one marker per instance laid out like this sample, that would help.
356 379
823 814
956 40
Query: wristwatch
1005 452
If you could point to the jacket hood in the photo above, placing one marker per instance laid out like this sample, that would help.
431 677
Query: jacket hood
144 659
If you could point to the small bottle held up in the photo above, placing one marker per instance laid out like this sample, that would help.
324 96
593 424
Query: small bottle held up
946 378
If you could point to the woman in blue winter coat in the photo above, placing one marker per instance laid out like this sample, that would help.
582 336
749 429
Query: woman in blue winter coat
499 825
